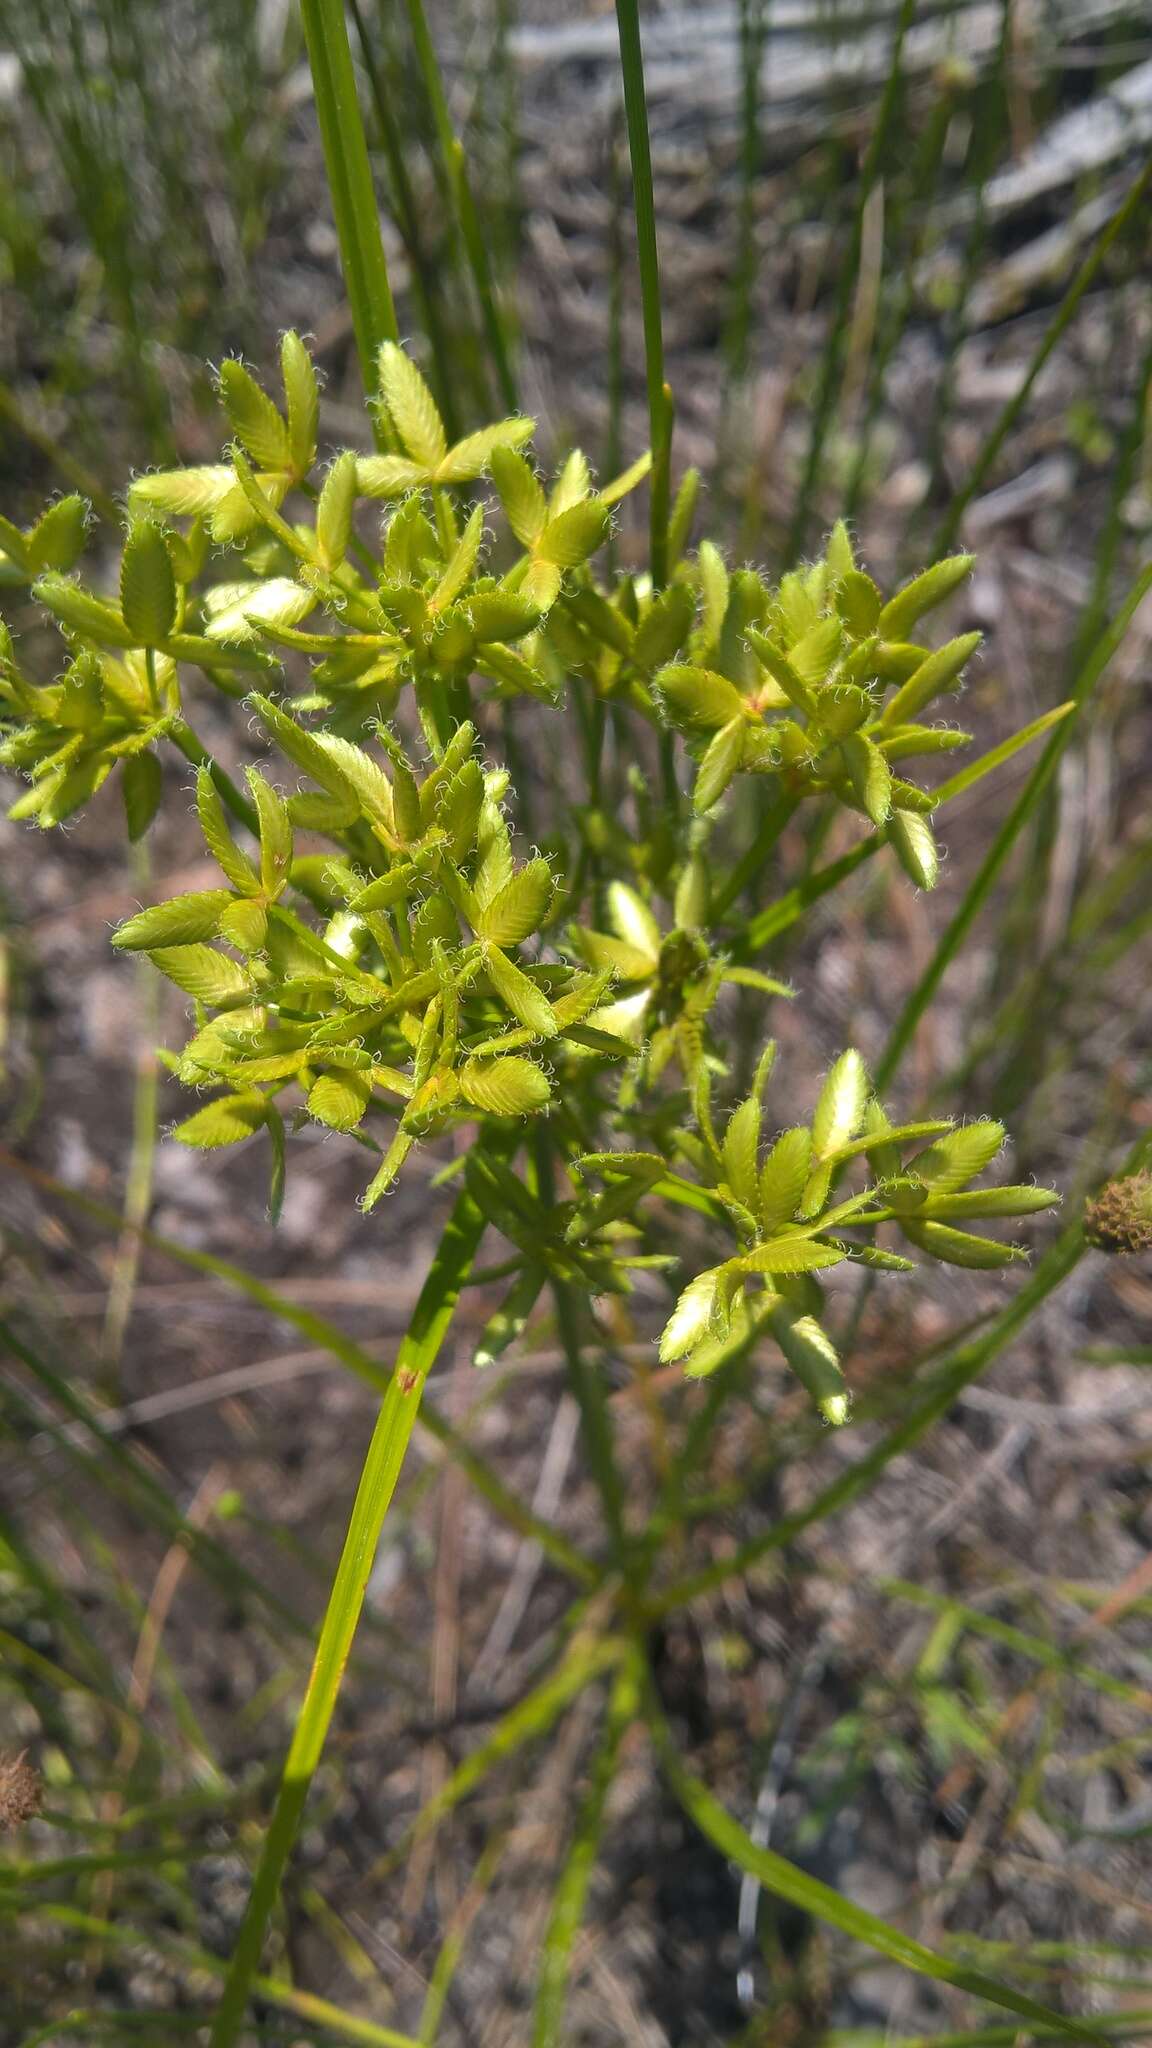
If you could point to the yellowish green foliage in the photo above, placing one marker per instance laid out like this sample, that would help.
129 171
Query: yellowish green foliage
381 956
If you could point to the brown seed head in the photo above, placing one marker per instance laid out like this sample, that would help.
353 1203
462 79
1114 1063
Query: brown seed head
20 1792
1120 1218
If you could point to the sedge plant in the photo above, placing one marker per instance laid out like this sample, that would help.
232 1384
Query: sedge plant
387 955
384 957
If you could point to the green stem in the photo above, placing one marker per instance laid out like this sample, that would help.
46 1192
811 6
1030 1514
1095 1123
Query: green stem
572 1888
672 1508
463 199
443 1971
614 361
142 1161
659 394
585 1381
991 115
424 277
1020 961
749 865
669 786
825 400
350 181
195 751
753 29
595 1419
780 916
799 1888
924 184
418 1349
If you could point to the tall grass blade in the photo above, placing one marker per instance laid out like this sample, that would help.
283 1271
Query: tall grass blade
798 1888
142 1160
1125 472
418 1349
1130 2026
967 778
751 862
753 33
648 256
123 1473
595 1419
824 403
614 353
443 1971
350 182
424 279
924 181
990 117
586 1382
1019 956
274 1991
464 200
571 1892
780 916
588 1657
1037 1648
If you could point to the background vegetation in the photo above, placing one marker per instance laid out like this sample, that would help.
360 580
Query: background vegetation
904 260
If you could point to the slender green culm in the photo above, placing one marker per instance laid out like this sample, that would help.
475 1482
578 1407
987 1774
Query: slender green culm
660 416
350 181
443 1971
468 220
824 402
426 283
1020 957
417 1353
789 1882
571 1892
924 184
754 19
991 115
141 1169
